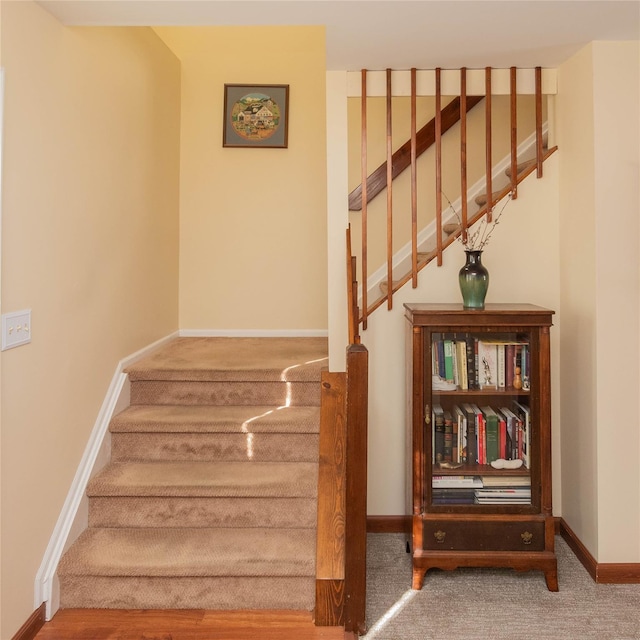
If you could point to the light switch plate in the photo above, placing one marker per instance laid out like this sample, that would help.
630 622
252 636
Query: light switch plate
16 329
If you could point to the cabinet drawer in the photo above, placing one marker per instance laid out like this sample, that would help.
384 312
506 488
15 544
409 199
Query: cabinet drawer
440 535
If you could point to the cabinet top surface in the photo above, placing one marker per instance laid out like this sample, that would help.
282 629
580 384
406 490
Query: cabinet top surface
502 307
504 312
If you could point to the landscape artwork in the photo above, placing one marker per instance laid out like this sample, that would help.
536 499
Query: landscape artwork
256 115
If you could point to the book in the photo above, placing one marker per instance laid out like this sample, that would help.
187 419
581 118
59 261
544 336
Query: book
500 366
506 481
448 360
448 437
492 435
488 363
438 432
512 433
480 435
472 447
523 413
462 433
502 435
509 364
456 369
452 482
471 362
463 376
439 350
455 441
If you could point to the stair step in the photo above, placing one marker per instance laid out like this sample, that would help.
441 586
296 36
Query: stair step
235 359
451 227
481 199
520 167
190 568
168 392
150 511
206 479
207 433
210 498
217 593
191 552
209 447
216 419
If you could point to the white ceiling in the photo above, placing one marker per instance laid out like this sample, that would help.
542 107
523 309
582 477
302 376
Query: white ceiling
399 34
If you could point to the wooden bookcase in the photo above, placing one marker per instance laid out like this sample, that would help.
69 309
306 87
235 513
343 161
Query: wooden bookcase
506 522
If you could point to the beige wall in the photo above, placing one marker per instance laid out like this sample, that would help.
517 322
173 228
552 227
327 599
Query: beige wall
89 244
253 228
618 305
578 339
598 134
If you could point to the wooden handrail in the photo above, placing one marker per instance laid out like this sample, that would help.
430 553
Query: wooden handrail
377 181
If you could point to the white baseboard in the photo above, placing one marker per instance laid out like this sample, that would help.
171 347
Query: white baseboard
253 333
46 577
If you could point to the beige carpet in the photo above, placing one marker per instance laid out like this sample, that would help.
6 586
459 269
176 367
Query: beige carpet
495 604
210 498
238 359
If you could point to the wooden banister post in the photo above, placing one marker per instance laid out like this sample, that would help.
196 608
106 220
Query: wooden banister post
489 159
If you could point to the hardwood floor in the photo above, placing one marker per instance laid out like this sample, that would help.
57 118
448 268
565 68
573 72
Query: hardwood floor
117 624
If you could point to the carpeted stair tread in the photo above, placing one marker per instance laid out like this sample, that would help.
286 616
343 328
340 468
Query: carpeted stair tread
216 419
145 511
210 447
218 592
235 359
206 479
226 392
191 552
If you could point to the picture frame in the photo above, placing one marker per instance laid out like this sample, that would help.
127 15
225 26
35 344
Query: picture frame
256 115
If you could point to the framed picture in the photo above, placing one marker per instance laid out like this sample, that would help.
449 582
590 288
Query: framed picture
256 115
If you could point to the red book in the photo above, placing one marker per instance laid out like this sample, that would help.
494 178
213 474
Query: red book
509 364
502 436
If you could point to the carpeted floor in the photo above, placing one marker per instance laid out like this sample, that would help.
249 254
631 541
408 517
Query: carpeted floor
495 604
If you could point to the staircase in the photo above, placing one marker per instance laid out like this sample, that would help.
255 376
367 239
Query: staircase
209 500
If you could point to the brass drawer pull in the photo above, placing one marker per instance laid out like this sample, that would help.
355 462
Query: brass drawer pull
439 536
526 537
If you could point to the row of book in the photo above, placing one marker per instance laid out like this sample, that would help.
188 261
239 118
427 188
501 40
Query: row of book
470 362
495 490
469 434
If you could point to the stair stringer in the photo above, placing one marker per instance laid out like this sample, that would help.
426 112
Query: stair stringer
402 259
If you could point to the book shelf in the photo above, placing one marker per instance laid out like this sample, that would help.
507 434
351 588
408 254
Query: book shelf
479 438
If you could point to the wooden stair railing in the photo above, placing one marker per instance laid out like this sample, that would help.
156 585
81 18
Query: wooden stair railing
401 158
406 156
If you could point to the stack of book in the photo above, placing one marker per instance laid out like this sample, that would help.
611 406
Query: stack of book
455 489
504 490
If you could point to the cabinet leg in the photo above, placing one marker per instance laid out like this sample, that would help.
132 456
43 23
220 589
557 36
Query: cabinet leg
418 578
551 578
